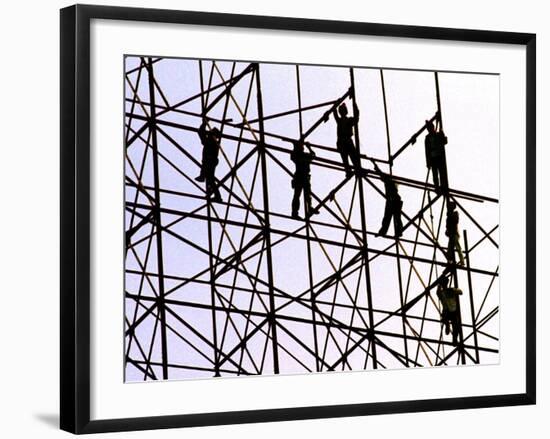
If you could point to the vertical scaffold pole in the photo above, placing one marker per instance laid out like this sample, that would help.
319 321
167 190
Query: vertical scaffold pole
267 227
365 250
471 293
157 218
397 252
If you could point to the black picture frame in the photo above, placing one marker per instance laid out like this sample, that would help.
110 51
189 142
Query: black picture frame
75 217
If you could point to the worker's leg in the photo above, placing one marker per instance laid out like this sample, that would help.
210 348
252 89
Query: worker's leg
212 188
456 329
397 224
216 191
446 318
354 155
296 198
386 220
215 187
201 176
459 249
435 174
445 321
341 147
451 249
208 181
307 198
209 186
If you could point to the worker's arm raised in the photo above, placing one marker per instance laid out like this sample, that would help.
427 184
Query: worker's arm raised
202 130
355 112
335 114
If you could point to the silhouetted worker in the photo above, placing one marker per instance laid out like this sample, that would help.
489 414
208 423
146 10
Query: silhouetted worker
451 230
301 181
344 142
449 303
434 143
393 206
210 150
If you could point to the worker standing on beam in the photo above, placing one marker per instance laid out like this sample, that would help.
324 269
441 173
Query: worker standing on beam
449 308
344 141
434 143
451 230
394 204
301 181
210 140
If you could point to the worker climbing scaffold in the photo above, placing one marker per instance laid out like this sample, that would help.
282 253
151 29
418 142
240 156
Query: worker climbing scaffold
393 207
436 160
344 133
301 180
451 230
450 317
210 140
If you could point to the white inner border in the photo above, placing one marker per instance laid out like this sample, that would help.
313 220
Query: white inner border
111 398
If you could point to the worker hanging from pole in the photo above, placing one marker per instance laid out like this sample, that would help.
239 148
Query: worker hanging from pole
210 140
450 318
344 141
301 181
451 230
393 208
434 143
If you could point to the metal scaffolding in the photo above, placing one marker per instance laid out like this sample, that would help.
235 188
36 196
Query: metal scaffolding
211 288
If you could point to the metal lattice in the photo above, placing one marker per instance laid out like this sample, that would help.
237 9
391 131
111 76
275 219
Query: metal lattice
241 288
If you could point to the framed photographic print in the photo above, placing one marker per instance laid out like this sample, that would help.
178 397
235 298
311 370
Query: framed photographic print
268 218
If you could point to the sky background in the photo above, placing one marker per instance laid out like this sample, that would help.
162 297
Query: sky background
470 113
